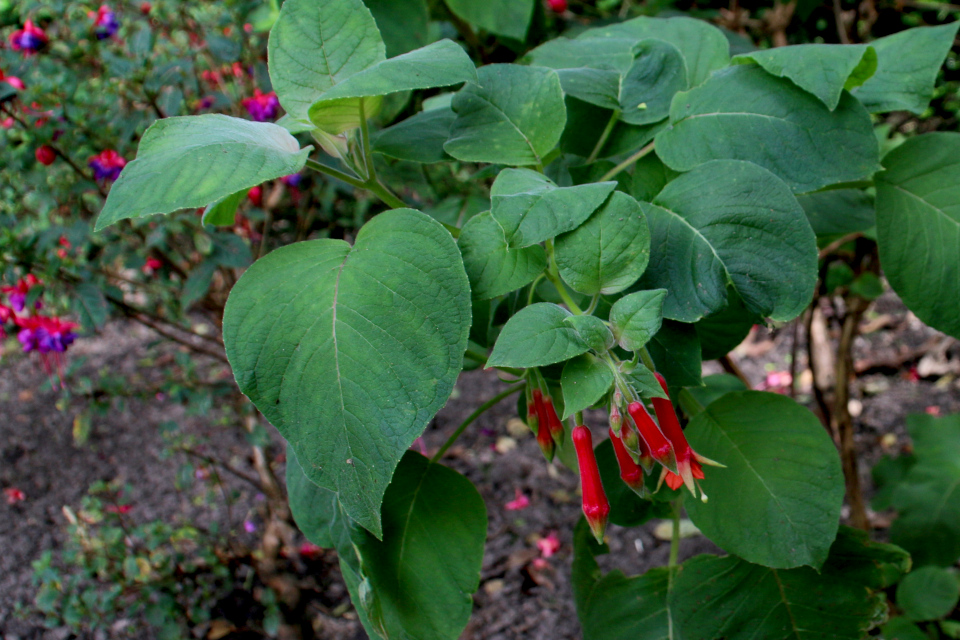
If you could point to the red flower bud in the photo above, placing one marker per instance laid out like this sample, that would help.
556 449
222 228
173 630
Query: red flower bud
657 444
255 195
596 508
616 420
45 155
544 439
553 420
557 6
630 472
533 409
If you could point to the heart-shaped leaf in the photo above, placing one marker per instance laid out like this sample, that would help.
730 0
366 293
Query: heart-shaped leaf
584 381
537 336
637 317
510 18
349 351
493 267
191 161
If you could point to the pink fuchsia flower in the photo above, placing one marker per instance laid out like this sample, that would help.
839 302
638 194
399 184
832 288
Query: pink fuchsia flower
105 23
30 39
151 265
14 495
519 502
549 544
310 551
557 6
18 293
6 314
13 81
262 106
107 165
255 195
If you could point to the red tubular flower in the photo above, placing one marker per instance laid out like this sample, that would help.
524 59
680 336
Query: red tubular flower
533 409
596 508
544 438
630 472
553 420
688 461
650 433
45 155
636 447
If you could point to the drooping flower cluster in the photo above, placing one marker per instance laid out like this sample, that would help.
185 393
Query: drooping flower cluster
31 39
105 23
107 165
45 334
542 418
262 106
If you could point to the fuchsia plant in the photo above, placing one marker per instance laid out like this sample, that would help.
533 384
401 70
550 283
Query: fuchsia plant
650 200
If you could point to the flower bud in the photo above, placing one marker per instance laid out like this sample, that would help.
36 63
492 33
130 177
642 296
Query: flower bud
596 508
630 471
659 447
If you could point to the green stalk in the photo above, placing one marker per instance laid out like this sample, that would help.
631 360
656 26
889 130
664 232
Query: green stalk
604 136
626 163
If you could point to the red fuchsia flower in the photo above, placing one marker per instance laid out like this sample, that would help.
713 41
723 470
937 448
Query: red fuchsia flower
14 495
255 195
107 165
553 420
237 70
105 23
30 39
557 6
688 461
119 509
533 409
18 293
310 551
211 76
658 445
6 314
549 545
262 106
45 155
596 508
13 81
146 8
45 334
519 502
630 472
151 266
7 123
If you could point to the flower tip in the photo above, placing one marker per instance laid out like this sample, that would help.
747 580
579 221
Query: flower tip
707 461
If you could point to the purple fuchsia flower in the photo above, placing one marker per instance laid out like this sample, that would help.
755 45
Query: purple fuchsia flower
105 24
107 165
30 39
18 293
292 180
262 106
45 334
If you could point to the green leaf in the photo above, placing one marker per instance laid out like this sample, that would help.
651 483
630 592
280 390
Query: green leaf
223 212
839 211
875 565
349 352
867 285
704 47
644 382
676 352
339 38
928 498
613 54
91 306
824 70
727 598
536 336
515 116
694 400
613 606
907 66
723 330
510 18
315 509
593 330
424 571
493 267
419 138
928 593
887 475
586 123
730 223
778 501
440 64
404 25
530 208
585 380
650 176
198 283
192 161
902 629
636 318
609 251
918 227
744 113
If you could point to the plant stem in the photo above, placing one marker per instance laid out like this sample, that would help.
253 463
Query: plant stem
533 288
593 304
675 537
604 136
335 173
553 275
365 145
476 355
509 391
626 163
647 359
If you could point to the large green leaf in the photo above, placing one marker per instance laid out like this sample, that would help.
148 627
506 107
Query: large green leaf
637 317
824 70
349 351
609 251
537 336
778 501
744 113
838 211
223 212
721 331
492 266
730 599
613 606
918 227
584 381
928 593
437 65
927 499
424 571
586 123
515 116
730 223
419 138
530 208
704 47
907 66
315 509
615 54
676 352
510 18
404 24
316 44
694 400
191 161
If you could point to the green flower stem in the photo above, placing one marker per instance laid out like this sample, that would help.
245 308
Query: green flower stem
553 275
336 173
626 163
604 136
476 355
533 288
593 304
675 538
365 145
647 359
473 416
